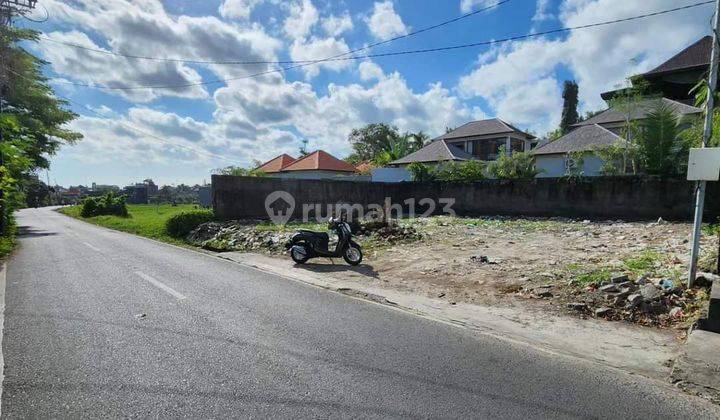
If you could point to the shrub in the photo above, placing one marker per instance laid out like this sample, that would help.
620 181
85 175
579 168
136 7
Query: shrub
421 172
179 225
107 205
471 170
519 165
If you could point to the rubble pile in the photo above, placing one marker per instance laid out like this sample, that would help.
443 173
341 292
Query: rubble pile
656 302
249 235
237 236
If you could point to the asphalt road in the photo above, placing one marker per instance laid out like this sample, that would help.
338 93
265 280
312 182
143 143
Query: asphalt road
104 324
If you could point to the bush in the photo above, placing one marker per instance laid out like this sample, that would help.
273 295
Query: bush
421 172
108 205
519 165
468 171
181 224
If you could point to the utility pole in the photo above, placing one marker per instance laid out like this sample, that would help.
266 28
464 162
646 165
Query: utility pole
707 134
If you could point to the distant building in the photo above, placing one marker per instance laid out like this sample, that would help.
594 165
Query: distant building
476 140
316 165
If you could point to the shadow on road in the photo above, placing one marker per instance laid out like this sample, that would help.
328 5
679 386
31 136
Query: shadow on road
362 269
28 232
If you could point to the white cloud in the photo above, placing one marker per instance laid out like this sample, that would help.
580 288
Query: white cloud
369 71
384 23
337 25
467 6
303 16
144 28
598 59
317 49
541 11
237 9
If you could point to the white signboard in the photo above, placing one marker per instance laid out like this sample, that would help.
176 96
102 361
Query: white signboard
704 164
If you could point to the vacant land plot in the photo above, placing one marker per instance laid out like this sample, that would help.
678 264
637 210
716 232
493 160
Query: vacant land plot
145 219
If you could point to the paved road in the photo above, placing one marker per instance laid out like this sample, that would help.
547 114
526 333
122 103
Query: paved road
221 340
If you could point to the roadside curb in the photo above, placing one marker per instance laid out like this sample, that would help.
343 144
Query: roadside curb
697 370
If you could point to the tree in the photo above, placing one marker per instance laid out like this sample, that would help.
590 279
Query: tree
659 148
239 171
371 140
303 150
33 121
519 165
399 147
628 102
570 105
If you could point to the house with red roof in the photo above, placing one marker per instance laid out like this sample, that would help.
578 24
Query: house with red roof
316 165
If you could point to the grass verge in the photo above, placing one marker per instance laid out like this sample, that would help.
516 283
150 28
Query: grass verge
146 220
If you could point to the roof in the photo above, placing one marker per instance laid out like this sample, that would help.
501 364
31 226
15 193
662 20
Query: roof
276 164
483 128
319 160
583 139
692 57
436 151
612 115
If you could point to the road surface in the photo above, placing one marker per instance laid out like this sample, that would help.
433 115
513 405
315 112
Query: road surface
105 324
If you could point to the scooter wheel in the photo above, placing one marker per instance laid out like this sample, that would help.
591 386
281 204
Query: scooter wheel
353 255
299 254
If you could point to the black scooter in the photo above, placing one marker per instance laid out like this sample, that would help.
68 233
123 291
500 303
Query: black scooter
306 244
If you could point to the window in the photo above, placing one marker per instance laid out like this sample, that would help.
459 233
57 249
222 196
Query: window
487 149
517 145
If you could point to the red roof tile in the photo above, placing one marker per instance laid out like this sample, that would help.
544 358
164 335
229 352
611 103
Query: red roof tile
319 161
276 164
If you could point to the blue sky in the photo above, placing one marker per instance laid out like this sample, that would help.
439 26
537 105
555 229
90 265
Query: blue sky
196 129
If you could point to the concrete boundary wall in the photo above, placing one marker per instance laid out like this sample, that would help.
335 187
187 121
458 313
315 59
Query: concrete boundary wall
627 198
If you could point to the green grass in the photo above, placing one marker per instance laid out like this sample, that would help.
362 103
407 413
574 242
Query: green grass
146 220
583 275
647 261
7 242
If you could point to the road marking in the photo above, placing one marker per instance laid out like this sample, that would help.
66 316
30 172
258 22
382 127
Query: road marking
91 247
161 285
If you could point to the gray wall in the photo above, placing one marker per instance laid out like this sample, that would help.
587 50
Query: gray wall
628 198
553 166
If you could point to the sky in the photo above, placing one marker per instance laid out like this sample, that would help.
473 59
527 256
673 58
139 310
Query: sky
178 134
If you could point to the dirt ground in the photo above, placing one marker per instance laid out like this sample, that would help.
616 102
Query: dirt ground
505 261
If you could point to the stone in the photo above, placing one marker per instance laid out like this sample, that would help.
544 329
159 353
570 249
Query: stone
542 292
578 306
620 278
609 288
634 300
676 312
603 311
705 279
650 292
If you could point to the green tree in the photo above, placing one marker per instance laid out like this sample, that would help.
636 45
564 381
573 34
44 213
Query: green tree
371 140
33 121
659 147
570 104
239 171
628 103
519 165
398 147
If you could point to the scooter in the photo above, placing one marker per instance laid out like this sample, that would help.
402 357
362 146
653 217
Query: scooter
306 244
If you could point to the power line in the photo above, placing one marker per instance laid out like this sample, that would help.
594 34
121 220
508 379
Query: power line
130 126
251 62
389 54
